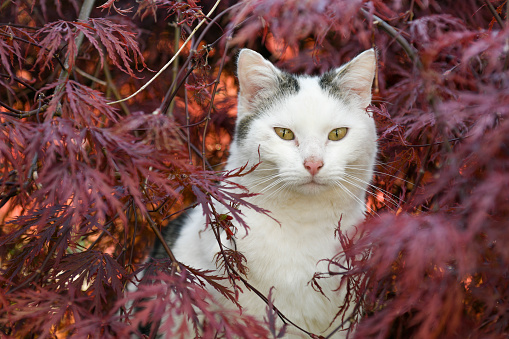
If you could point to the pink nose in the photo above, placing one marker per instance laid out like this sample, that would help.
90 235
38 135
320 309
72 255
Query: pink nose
313 165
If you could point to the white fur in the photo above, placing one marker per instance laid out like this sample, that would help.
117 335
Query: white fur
286 255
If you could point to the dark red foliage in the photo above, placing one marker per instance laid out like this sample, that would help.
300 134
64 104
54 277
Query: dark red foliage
86 185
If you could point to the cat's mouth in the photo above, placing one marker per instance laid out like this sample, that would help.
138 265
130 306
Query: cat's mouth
312 183
312 187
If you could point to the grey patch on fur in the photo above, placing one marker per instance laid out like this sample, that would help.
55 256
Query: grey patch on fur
287 85
243 127
170 234
328 84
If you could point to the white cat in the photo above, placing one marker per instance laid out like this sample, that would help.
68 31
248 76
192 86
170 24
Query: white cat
317 147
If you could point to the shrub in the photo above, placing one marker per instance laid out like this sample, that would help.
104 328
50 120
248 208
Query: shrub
88 178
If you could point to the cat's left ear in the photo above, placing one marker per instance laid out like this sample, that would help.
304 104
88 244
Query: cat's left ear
257 78
356 77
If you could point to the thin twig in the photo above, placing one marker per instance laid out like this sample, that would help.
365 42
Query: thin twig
171 60
175 71
409 49
181 210
35 28
114 89
422 169
193 47
135 230
436 143
495 14
21 114
349 319
173 84
206 29
21 81
411 11
506 13
156 209
188 129
90 77
169 100
193 124
207 119
163 242
106 225
193 148
32 171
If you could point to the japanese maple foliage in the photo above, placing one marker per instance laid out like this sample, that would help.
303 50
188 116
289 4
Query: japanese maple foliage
87 184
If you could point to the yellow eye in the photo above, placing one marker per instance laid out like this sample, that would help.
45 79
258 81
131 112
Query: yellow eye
284 133
338 133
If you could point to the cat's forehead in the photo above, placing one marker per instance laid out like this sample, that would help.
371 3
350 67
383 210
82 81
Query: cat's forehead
312 104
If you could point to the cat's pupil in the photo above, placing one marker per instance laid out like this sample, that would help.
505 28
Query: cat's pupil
338 133
284 133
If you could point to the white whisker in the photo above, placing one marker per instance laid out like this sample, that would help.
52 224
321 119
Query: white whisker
275 192
262 180
271 185
367 191
359 201
353 167
393 199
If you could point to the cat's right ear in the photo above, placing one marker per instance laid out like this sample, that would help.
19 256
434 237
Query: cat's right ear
356 77
257 77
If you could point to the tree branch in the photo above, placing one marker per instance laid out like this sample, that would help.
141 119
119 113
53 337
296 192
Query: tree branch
207 119
409 49
114 89
171 60
168 101
21 114
175 72
85 11
21 81
163 242
495 14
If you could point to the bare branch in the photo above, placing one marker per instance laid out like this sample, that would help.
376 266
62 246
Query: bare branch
171 60
495 13
409 49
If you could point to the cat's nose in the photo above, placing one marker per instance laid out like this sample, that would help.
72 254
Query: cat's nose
313 165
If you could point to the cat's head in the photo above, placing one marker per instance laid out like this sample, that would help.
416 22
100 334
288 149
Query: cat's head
313 134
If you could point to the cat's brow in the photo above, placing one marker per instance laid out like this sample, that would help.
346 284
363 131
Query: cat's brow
288 84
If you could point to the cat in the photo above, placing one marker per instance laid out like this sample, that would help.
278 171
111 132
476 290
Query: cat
316 144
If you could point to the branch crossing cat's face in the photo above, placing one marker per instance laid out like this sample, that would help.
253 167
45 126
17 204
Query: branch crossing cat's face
313 134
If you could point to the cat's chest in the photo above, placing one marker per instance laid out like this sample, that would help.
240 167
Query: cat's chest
289 252
286 257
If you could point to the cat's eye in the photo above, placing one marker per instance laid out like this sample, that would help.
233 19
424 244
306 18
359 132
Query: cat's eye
338 133
284 133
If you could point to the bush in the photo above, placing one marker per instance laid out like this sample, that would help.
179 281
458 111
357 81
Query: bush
88 178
